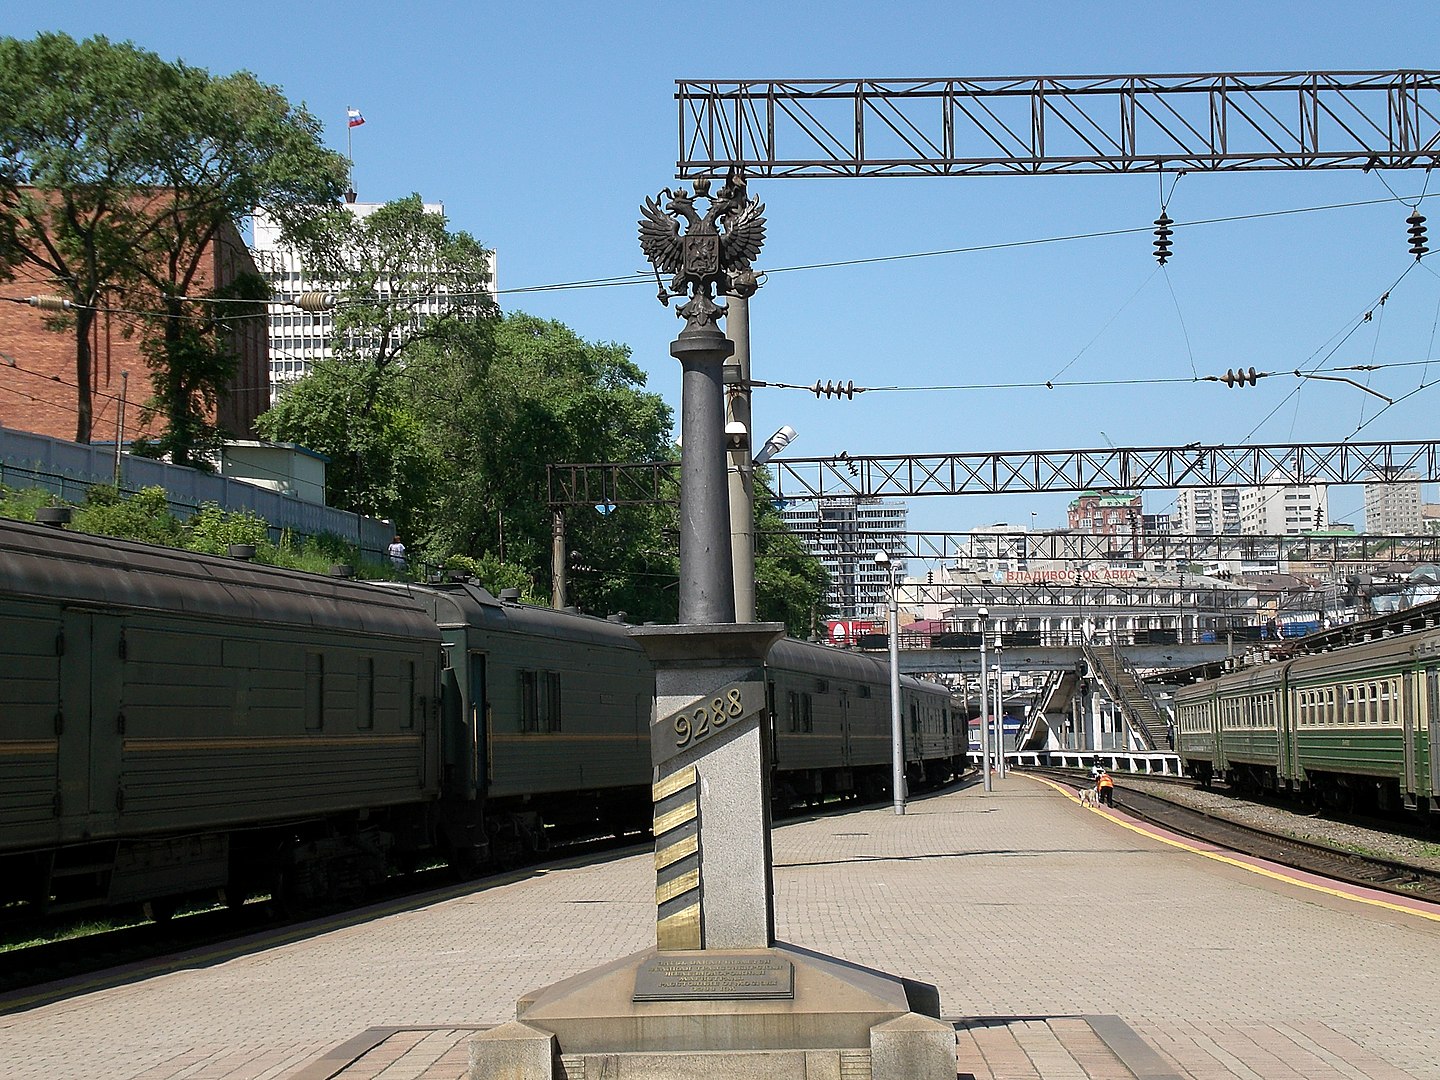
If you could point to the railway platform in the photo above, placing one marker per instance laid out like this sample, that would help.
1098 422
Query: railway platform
1066 943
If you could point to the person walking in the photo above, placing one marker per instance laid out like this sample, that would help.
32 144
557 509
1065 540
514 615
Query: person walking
396 551
1105 787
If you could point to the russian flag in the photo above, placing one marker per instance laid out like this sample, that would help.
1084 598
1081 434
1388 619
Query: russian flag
354 117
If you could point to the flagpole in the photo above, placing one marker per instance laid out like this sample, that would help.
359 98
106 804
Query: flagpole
349 150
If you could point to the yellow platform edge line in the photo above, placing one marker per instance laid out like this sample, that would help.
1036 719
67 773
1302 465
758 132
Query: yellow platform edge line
1142 830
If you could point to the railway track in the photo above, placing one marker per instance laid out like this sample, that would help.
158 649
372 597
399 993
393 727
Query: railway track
1339 864
87 961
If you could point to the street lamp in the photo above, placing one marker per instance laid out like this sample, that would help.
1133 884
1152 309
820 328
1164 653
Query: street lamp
999 710
897 745
984 699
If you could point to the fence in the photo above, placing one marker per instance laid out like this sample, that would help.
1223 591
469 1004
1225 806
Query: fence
68 469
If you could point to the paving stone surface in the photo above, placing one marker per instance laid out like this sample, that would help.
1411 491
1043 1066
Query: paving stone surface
1032 915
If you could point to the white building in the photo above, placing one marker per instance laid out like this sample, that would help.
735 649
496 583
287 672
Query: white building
1207 511
845 532
1393 508
1283 509
300 338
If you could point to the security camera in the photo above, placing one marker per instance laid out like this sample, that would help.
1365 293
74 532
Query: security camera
736 437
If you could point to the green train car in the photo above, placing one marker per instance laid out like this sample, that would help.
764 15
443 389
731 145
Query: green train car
174 725
1352 726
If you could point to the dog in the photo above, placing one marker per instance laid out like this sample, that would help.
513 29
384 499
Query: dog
1090 797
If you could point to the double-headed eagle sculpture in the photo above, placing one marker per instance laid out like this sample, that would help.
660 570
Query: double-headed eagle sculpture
713 252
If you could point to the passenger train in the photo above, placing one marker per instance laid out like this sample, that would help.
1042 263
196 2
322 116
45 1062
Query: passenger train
174 724
1354 726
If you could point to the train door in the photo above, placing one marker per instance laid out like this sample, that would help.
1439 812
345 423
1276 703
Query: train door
91 727
478 717
1431 678
845 727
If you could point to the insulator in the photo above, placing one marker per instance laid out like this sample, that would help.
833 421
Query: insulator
1240 378
315 301
1162 237
1418 245
50 303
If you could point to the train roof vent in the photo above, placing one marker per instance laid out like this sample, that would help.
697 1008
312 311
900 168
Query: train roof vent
56 516
618 617
243 552
341 570
510 596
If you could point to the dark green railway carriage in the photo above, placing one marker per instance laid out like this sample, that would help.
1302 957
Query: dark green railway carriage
172 722
832 728
1352 724
547 720
1364 720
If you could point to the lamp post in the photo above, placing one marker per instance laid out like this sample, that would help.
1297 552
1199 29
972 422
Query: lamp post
984 700
897 742
999 710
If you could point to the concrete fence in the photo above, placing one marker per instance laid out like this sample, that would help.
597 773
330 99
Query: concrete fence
67 469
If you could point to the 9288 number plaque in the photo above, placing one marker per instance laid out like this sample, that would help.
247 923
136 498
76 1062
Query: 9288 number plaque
704 718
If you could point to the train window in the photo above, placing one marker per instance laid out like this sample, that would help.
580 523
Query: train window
552 701
365 703
407 695
792 702
864 689
807 713
314 691
529 716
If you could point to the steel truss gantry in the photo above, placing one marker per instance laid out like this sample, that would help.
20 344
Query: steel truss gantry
1025 472
1081 547
1059 124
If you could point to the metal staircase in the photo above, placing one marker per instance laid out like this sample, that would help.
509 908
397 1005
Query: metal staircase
1123 686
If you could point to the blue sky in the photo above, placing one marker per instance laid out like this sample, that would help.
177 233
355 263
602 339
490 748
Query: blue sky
542 131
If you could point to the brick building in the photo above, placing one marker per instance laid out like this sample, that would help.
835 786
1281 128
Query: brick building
37 366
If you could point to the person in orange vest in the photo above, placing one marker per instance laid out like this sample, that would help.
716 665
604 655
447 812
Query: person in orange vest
1106 789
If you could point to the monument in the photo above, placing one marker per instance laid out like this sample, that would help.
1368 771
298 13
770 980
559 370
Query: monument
717 997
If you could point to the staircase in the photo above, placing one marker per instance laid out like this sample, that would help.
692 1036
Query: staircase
1123 686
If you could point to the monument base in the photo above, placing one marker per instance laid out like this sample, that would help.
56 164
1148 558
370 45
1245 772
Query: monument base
778 1013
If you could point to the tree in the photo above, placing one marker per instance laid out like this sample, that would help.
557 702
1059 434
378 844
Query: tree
118 168
380 454
74 148
232 144
401 277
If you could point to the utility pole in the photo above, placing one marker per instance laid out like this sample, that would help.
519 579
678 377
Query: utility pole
741 474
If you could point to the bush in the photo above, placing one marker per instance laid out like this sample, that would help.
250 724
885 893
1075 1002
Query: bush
145 516
21 503
495 575
212 530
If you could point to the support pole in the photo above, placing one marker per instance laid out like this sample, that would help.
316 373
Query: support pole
897 731
707 579
985 705
999 711
558 561
741 477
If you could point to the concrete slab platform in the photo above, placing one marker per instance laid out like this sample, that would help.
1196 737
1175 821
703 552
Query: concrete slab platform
1036 919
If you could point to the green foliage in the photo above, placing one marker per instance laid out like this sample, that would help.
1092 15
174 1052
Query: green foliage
496 576
117 169
145 516
212 530
384 267
381 462
21 503
192 361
